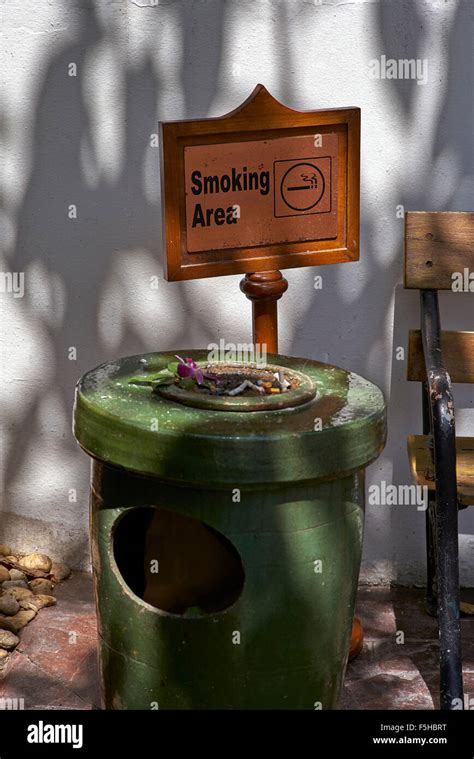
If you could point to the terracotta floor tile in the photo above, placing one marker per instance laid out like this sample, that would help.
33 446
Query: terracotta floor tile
58 652
391 692
25 680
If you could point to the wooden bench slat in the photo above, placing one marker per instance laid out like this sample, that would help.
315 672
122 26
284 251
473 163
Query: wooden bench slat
437 244
422 467
458 355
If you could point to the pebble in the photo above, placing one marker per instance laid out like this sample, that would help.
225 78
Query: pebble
18 621
8 605
21 600
36 561
20 593
14 584
15 574
3 654
60 571
40 601
41 586
26 603
8 640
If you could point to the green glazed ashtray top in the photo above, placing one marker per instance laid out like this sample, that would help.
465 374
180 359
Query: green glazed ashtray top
328 422
228 385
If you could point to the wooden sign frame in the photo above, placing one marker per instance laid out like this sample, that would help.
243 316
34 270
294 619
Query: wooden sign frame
260 117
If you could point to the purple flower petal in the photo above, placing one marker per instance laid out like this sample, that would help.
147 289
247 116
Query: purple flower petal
184 370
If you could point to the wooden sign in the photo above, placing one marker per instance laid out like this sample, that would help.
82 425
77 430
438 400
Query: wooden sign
265 187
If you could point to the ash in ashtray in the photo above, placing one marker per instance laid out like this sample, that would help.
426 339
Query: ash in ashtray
245 381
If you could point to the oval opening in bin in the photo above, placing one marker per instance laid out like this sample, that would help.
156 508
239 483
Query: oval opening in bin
176 563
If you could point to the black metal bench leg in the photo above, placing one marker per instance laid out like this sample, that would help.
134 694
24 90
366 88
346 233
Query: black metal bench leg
440 403
431 565
451 686
430 523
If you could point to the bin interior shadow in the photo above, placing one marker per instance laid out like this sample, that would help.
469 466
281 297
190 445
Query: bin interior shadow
177 563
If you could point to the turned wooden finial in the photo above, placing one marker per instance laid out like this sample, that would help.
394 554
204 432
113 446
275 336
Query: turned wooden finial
264 288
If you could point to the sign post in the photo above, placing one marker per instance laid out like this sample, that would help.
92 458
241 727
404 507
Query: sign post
264 288
261 189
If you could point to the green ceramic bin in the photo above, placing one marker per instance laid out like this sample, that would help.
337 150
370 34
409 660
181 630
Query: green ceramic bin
296 524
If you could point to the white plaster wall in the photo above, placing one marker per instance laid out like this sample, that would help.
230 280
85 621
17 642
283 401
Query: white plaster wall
85 140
